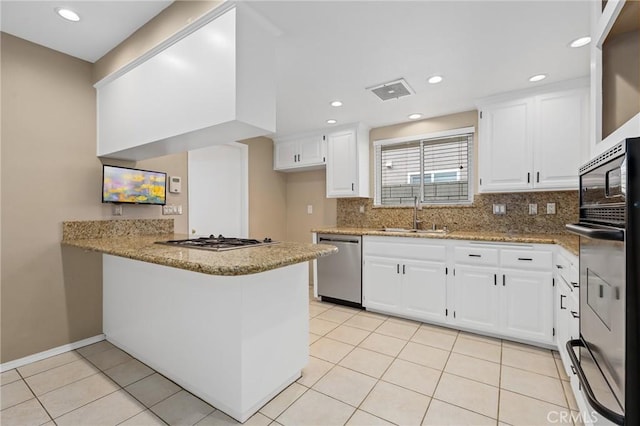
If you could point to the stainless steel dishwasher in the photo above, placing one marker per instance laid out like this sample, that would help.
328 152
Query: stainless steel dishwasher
340 275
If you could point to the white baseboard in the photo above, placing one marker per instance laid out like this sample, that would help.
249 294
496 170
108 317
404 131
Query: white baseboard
49 353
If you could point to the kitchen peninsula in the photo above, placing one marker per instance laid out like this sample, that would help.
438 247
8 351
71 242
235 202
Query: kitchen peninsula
231 327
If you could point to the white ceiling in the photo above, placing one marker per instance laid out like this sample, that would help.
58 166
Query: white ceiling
334 50
103 24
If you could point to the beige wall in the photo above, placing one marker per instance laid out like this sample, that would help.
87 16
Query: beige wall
172 19
50 173
304 189
267 192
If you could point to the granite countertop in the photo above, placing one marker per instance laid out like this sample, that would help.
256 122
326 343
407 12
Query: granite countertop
567 241
243 261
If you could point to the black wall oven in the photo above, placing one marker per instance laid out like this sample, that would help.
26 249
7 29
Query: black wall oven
607 352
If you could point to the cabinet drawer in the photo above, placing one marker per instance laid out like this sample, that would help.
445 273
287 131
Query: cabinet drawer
526 259
409 250
567 271
476 255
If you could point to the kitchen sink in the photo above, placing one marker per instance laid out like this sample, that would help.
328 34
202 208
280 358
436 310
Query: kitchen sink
417 231
432 231
396 230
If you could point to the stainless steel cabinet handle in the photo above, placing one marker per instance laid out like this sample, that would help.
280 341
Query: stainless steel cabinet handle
561 298
475 255
559 267
397 268
538 177
575 315
504 280
403 269
495 279
528 177
525 258
353 186
575 285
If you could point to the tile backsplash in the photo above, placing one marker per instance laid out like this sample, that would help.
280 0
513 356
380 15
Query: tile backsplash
76 230
478 216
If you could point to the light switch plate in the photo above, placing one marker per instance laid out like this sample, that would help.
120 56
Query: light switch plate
309 209
117 210
551 208
533 209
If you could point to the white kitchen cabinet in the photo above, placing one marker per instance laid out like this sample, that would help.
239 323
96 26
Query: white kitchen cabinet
533 143
476 298
527 305
559 133
383 289
299 153
406 277
505 146
348 162
505 290
567 304
424 290
175 98
406 287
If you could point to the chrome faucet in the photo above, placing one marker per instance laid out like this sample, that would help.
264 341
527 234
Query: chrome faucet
416 207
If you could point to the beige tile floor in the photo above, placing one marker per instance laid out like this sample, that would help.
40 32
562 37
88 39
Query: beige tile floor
364 369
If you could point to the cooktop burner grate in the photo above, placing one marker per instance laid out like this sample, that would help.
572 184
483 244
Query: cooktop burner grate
218 243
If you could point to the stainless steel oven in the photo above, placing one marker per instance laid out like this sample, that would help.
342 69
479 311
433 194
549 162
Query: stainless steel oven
607 351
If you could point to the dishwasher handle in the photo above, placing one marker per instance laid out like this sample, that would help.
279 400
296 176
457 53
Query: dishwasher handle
338 240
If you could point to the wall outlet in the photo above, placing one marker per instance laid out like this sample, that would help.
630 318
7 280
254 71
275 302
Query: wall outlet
533 209
551 208
361 209
309 209
499 209
117 210
170 209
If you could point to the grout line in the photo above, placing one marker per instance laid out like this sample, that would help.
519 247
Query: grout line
34 396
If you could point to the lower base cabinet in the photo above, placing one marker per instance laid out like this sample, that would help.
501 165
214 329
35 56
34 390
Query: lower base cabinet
424 290
405 287
459 284
527 305
475 301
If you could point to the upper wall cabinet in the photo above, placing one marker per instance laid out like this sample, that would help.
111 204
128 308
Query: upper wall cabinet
348 162
212 83
535 142
299 153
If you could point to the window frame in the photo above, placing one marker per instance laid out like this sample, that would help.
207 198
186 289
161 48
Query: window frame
377 172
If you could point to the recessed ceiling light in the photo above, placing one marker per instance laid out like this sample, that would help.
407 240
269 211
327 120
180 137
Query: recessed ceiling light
67 14
435 79
582 41
415 116
331 121
391 91
336 103
537 77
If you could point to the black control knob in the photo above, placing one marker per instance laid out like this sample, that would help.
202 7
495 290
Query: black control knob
266 240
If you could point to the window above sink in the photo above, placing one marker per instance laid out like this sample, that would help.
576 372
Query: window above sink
443 159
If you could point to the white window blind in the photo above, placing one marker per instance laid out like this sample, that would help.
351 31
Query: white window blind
444 164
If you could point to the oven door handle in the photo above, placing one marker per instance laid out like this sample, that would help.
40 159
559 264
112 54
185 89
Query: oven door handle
606 412
596 233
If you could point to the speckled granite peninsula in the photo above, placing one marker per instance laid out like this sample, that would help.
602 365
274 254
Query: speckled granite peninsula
567 241
231 327
135 239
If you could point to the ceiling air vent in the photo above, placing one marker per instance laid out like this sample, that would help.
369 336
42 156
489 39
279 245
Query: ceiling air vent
392 90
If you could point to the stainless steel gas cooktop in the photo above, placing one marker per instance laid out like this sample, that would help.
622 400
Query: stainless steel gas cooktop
218 243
